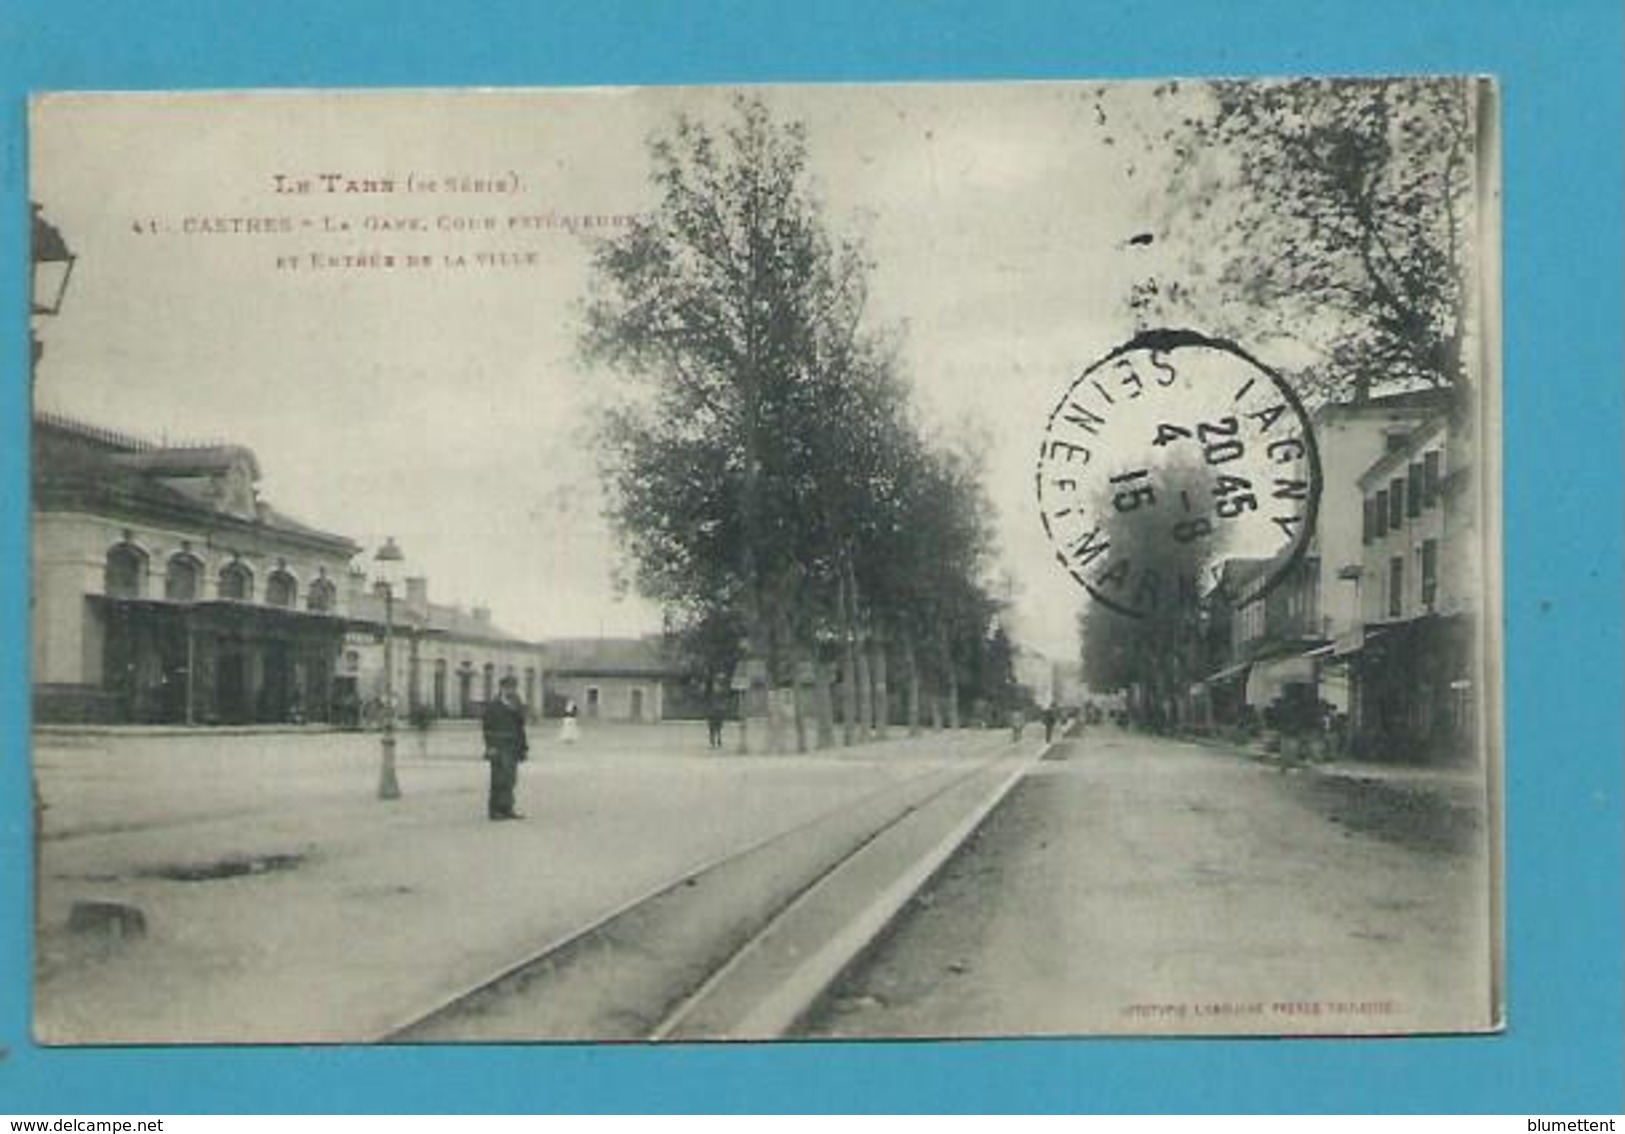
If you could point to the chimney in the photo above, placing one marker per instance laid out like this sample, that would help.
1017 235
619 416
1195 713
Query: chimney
355 584
417 595
482 615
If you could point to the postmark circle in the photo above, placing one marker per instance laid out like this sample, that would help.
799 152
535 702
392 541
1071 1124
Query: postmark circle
1175 467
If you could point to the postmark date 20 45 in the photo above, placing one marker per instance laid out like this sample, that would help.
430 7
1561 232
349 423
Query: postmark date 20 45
1148 487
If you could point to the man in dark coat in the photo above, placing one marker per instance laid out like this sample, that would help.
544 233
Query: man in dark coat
713 719
505 747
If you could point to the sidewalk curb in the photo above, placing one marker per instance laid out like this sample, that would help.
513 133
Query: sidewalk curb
199 731
797 994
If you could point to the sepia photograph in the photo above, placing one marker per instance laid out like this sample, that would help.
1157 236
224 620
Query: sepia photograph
809 562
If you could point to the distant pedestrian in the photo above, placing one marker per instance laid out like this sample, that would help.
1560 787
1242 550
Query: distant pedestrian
505 747
1049 723
570 727
713 722
1018 725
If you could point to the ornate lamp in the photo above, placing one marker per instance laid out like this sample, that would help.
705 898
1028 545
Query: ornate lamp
53 264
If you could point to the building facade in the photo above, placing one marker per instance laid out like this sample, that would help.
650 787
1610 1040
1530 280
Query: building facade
1289 654
166 591
1415 668
1373 638
447 660
611 679
1350 437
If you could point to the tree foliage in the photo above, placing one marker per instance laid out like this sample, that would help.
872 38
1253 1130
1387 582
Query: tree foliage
766 472
1336 211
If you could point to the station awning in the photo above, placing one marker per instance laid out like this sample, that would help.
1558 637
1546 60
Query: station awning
217 611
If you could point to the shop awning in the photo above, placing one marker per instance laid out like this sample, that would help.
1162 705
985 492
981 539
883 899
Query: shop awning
1269 678
1347 645
1228 673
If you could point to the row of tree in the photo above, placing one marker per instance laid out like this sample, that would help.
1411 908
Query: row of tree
1156 656
767 475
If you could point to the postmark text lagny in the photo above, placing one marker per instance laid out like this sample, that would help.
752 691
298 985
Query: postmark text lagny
1169 457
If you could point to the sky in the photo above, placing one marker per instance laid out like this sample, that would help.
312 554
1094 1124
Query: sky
446 404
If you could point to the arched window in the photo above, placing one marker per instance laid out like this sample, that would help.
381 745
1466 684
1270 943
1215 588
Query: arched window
236 582
280 588
181 578
126 572
465 690
322 594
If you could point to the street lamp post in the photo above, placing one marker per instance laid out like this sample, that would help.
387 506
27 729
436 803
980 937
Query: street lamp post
389 562
741 688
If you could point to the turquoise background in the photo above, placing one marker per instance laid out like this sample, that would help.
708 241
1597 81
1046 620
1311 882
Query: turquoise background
1560 64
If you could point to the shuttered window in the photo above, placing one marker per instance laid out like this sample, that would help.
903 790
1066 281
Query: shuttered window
1430 478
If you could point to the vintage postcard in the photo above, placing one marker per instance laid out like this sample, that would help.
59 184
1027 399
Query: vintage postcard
810 562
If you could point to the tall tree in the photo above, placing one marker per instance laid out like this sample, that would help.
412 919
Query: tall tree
766 473
767 476
737 311
931 570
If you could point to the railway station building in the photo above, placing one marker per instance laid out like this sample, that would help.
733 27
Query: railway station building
166 591
448 659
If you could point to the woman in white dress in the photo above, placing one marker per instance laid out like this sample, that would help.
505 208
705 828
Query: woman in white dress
569 731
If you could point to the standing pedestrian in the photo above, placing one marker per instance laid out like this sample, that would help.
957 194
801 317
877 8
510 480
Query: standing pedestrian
569 728
505 747
1049 723
713 721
